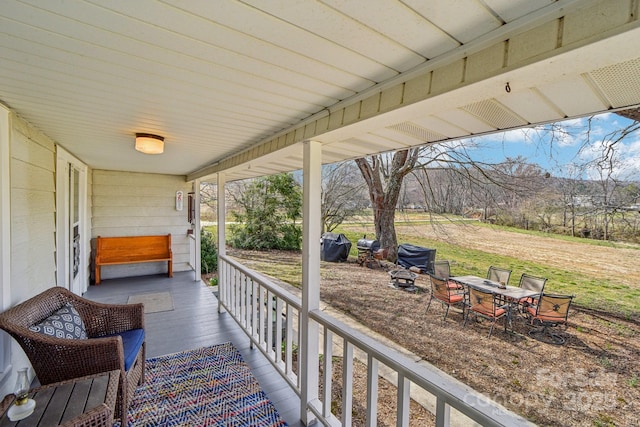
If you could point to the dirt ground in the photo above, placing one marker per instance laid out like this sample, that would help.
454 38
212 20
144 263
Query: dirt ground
594 379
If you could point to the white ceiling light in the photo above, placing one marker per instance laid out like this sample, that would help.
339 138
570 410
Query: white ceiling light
149 144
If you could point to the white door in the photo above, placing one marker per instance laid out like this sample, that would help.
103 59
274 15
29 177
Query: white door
72 249
75 250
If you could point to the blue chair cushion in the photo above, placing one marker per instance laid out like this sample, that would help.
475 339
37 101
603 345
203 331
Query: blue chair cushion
131 342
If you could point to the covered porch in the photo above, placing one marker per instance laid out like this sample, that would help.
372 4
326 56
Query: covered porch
246 89
194 321
196 318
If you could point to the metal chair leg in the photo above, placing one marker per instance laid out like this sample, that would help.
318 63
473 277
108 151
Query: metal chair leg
445 313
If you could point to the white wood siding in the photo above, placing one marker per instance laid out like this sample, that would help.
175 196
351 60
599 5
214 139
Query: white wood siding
136 204
29 165
33 211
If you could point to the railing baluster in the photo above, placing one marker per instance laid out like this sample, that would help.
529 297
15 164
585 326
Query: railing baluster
243 300
328 372
255 310
269 319
299 359
442 413
403 400
347 383
262 326
278 330
229 285
228 276
223 285
236 292
372 391
247 303
289 342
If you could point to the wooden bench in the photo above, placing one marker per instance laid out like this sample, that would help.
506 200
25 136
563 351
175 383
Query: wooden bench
133 250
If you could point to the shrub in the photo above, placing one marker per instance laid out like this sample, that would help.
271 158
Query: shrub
208 252
268 216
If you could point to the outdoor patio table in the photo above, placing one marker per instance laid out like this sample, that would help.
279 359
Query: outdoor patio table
85 401
509 294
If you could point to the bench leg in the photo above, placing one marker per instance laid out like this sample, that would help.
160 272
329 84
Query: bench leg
97 274
170 268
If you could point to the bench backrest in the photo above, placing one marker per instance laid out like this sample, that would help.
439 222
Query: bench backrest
124 248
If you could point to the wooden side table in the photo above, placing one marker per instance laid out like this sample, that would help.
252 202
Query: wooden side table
85 401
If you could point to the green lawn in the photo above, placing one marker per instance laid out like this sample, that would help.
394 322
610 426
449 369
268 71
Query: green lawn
593 293
598 294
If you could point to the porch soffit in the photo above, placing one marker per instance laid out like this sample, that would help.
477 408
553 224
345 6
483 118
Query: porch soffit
555 70
237 87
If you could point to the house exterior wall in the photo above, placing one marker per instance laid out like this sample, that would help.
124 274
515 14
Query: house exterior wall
136 204
28 180
33 211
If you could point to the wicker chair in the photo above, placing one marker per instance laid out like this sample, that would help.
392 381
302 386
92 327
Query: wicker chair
59 359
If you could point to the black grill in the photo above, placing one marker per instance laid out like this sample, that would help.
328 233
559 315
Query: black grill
368 245
366 252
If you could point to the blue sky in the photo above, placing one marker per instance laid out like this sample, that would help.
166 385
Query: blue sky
559 155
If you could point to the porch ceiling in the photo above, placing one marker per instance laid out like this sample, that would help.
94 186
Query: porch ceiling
235 85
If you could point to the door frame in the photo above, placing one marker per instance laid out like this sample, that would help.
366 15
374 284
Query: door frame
65 160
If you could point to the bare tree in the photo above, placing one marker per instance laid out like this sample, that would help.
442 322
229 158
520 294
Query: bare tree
493 187
609 169
383 175
342 194
209 198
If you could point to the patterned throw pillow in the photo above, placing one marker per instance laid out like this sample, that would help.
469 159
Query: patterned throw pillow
63 323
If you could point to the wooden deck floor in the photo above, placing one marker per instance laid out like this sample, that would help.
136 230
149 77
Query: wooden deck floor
194 322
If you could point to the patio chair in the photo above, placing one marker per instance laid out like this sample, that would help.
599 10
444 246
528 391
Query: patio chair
487 305
442 269
531 283
552 311
66 336
499 275
446 295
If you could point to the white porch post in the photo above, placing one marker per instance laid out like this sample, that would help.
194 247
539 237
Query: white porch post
198 255
221 236
309 345
5 208
5 234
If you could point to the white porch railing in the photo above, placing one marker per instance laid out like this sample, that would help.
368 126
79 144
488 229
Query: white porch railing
270 317
192 250
268 314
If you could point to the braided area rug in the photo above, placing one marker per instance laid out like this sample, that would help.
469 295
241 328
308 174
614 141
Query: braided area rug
209 386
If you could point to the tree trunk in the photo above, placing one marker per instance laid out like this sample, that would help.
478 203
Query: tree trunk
384 191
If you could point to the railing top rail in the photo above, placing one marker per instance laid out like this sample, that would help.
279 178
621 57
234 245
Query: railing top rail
458 395
285 295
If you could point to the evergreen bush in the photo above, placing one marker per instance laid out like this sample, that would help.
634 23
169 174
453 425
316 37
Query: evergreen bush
208 252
